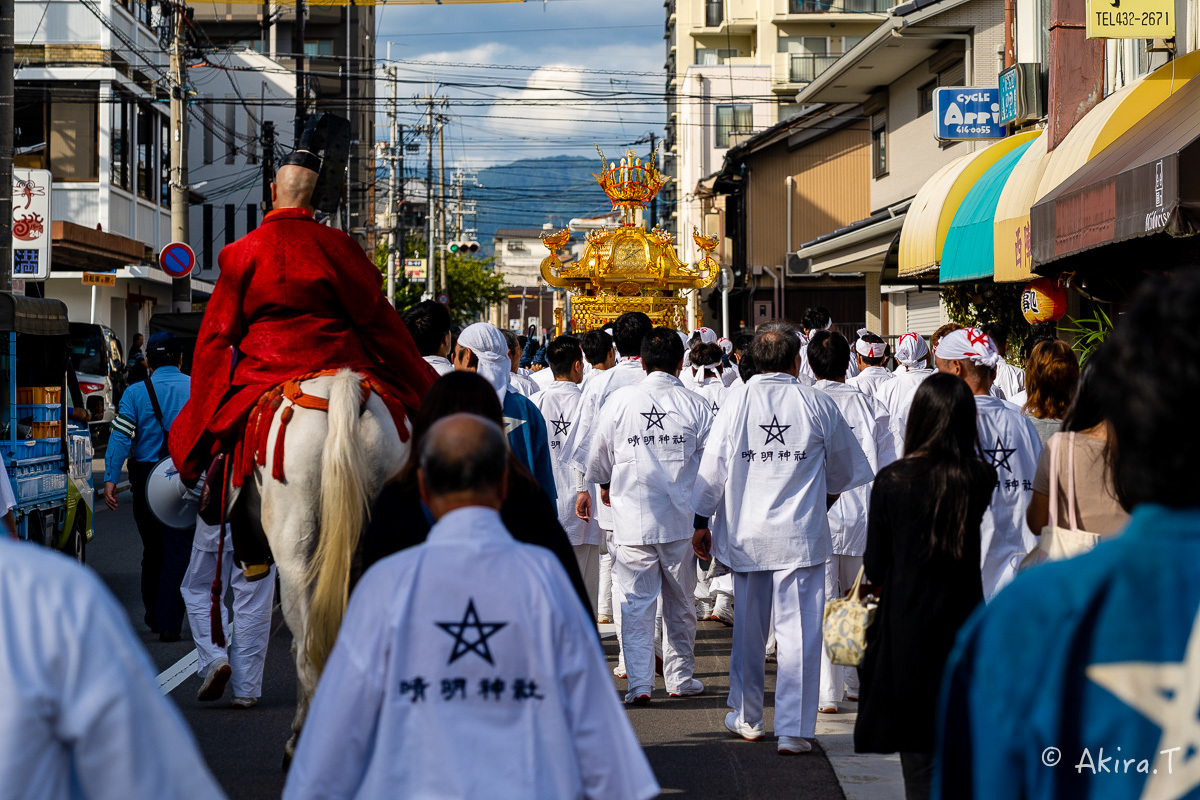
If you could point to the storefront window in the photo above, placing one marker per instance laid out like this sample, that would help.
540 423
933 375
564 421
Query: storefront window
29 136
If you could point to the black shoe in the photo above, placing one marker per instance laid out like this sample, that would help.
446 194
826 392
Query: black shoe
167 636
149 620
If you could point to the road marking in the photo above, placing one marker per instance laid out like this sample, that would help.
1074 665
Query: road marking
178 672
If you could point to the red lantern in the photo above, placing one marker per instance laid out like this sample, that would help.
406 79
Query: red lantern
1043 301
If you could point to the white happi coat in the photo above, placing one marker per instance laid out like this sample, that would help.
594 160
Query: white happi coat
467 667
647 444
1010 444
441 364
81 712
543 378
559 404
869 380
713 390
776 450
873 429
522 384
896 396
1010 379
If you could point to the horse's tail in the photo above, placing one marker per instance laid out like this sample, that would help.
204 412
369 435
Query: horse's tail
344 500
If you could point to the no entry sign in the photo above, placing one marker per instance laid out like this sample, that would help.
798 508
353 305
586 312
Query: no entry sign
177 259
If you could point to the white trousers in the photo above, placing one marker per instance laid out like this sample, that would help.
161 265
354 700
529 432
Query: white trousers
588 558
252 607
840 572
604 603
796 597
641 574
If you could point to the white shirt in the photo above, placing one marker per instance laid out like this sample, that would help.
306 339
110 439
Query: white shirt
713 390
467 667
8 501
542 378
647 444
559 404
776 450
730 375
439 363
522 385
872 428
1010 379
81 713
1010 444
869 380
896 396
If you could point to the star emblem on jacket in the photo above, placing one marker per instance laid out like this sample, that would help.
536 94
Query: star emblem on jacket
775 431
479 644
561 425
511 424
654 418
1000 454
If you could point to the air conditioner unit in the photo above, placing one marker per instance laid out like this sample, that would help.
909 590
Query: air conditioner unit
797 266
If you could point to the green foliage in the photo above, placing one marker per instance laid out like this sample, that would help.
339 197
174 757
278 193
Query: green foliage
1089 332
975 304
472 285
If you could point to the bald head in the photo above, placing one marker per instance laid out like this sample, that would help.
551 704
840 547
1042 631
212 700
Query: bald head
464 462
293 187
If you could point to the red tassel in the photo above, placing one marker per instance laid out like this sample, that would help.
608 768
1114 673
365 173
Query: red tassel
277 465
214 611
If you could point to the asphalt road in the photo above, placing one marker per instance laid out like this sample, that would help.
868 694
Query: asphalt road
691 752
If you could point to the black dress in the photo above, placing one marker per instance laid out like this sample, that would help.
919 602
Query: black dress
399 521
924 601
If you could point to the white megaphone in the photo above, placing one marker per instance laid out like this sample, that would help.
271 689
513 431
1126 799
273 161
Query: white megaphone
172 503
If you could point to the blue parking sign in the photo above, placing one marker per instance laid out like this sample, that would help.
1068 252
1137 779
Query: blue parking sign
967 113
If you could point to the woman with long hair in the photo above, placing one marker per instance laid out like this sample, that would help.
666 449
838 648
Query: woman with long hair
923 548
1051 376
399 519
1084 460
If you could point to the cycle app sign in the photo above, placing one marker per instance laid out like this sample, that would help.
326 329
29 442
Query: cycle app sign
967 113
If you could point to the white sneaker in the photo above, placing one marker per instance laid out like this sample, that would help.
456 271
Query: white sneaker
751 733
704 610
827 708
723 613
619 671
215 678
790 745
689 689
638 698
245 702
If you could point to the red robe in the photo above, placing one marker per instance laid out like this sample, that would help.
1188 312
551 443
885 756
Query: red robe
293 297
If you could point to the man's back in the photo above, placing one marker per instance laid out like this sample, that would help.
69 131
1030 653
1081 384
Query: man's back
559 404
81 715
463 684
595 392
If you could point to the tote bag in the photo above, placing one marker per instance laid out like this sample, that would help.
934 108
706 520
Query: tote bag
845 626
1055 543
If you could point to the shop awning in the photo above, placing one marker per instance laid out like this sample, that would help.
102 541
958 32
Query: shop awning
967 254
1148 182
1038 173
935 205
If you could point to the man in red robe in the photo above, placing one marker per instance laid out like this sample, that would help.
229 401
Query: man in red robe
294 297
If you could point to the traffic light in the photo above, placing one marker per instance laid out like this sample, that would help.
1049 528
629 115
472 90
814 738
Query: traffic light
465 246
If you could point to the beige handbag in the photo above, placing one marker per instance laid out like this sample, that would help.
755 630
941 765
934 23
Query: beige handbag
1055 543
845 626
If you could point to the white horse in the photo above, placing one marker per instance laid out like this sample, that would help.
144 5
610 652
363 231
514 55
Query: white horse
335 464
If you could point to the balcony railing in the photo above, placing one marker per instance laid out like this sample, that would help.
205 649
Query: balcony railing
714 13
806 68
838 6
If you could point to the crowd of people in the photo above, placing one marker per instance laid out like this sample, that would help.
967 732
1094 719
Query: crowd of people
652 479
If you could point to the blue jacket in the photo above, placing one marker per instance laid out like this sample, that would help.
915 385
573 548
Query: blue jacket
1081 675
526 430
135 431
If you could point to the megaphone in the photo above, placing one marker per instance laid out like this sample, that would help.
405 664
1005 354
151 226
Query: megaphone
172 503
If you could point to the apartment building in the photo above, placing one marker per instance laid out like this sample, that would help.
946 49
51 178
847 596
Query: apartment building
734 68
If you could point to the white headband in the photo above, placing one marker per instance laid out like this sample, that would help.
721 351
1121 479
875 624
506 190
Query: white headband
911 349
870 349
726 345
490 347
968 344
707 335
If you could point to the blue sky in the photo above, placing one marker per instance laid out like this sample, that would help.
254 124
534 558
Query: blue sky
555 76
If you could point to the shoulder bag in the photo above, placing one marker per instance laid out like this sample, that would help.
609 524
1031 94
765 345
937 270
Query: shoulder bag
1055 543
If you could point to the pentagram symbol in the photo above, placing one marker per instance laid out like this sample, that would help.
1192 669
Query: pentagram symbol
560 425
654 418
458 630
1000 455
715 408
774 431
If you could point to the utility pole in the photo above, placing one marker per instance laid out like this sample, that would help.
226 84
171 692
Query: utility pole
393 144
268 163
429 244
6 142
301 83
350 116
181 288
401 245
442 198
458 206
654 201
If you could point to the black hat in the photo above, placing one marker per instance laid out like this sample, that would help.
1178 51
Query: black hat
164 343
324 149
